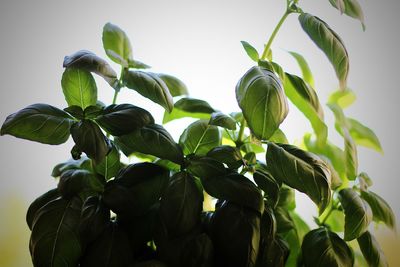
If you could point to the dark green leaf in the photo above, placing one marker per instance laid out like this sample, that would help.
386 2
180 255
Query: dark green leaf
123 119
225 121
75 111
229 155
371 250
86 60
329 42
189 108
358 214
39 203
39 122
198 252
90 139
283 220
381 210
79 88
199 138
73 182
153 140
82 163
267 230
305 69
55 240
301 170
251 51
206 167
267 183
351 8
323 248
176 87
276 254
343 98
181 204
150 86
116 44
111 164
260 95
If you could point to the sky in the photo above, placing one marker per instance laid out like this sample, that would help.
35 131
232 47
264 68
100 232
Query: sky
199 42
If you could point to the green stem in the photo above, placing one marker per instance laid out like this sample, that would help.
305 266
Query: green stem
115 97
241 131
274 33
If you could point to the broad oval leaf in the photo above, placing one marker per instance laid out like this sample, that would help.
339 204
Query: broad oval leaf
55 239
250 51
89 139
351 8
260 95
323 248
267 183
74 182
301 170
358 214
229 155
329 42
381 210
40 123
79 88
150 86
305 69
38 203
116 44
206 167
198 252
111 164
153 140
276 254
123 119
279 137
371 250
88 61
222 120
181 204
83 164
176 87
189 108
199 138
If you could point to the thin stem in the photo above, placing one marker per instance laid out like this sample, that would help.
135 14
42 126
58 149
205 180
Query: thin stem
115 97
241 130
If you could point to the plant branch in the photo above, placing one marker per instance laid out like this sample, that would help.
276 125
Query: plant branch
241 130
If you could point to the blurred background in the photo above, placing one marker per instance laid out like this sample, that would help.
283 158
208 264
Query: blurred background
198 42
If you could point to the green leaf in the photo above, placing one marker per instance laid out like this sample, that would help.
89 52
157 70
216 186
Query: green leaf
136 64
242 231
229 155
251 51
381 210
150 86
189 108
329 42
306 100
260 95
279 137
79 88
267 183
301 170
55 239
116 44
351 8
371 250
206 167
276 254
305 69
74 182
38 203
181 204
39 122
199 138
323 248
83 163
358 214
90 139
86 60
152 139
111 164
343 98
287 198
283 220
336 221
222 120
198 252
123 119
176 87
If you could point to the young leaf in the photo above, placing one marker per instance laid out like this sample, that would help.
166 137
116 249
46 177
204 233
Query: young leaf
279 137
229 155
343 98
301 170
322 247
152 139
116 44
86 60
89 139
55 239
199 138
358 214
381 210
176 87
260 95
39 203
251 51
39 122
305 69
351 8
111 164
123 119
189 107
79 88
150 86
371 250
222 120
329 42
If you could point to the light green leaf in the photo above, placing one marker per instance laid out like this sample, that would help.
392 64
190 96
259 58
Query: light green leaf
79 88
111 165
381 210
343 98
222 120
351 8
305 69
189 108
251 51
116 44
176 87
329 42
260 95
371 250
279 137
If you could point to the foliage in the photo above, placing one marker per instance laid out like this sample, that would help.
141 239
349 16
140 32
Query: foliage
106 213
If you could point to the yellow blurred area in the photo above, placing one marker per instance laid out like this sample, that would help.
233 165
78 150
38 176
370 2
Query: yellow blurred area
14 235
